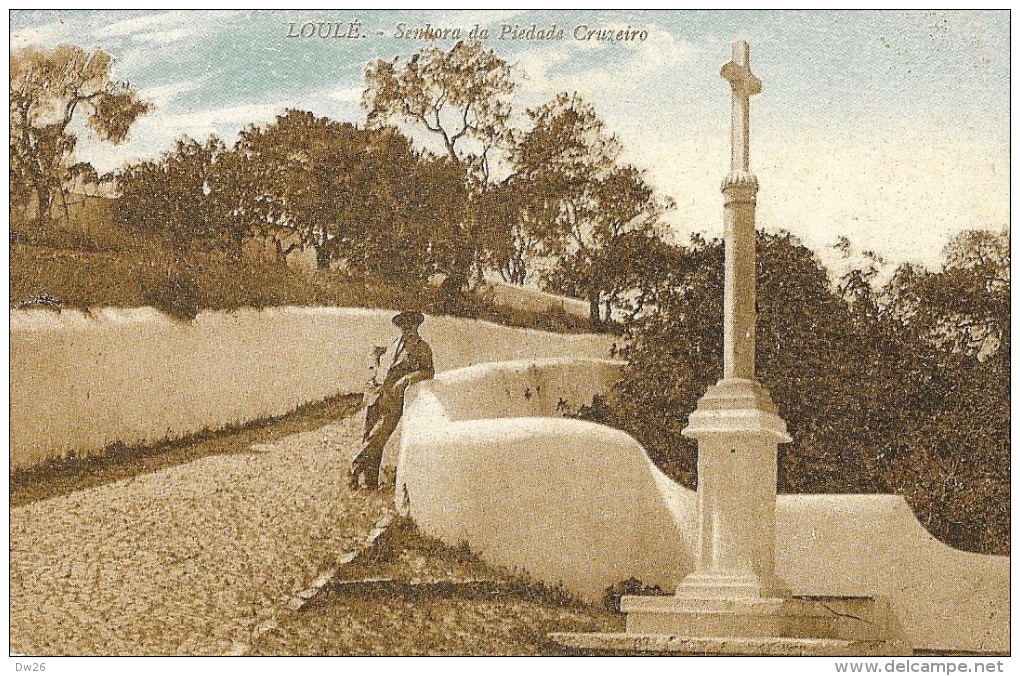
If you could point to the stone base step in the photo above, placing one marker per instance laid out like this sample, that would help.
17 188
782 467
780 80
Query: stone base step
606 643
828 617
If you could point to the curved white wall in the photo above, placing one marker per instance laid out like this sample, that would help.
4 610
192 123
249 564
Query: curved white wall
874 545
525 387
81 382
501 485
580 504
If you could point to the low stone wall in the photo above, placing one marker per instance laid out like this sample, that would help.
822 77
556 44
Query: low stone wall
80 382
531 300
581 505
568 501
868 545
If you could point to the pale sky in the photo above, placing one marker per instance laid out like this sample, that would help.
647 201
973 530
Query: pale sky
890 127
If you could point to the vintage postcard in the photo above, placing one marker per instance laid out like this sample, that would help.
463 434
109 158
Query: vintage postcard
510 332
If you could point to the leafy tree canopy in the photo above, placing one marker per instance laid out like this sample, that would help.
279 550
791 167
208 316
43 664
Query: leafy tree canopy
582 201
461 96
49 89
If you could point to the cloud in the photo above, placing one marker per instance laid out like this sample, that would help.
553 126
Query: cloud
347 95
47 34
146 24
137 42
163 29
894 194
155 133
466 19
163 94
581 64
205 121
167 27
902 193
164 37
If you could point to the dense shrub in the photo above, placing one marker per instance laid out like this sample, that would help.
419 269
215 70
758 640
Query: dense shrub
876 400
174 292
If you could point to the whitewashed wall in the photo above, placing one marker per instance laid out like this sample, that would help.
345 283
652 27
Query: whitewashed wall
581 504
567 501
866 545
81 382
531 300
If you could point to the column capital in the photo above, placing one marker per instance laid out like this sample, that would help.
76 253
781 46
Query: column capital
739 185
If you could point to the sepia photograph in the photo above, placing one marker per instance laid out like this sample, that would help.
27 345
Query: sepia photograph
563 333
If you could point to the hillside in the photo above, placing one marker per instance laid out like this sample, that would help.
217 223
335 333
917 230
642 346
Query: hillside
83 259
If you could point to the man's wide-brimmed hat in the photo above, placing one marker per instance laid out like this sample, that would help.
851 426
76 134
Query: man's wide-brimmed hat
410 319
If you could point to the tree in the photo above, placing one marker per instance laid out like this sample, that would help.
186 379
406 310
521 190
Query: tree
415 213
564 194
511 221
634 268
460 98
361 197
296 177
49 90
955 462
965 306
181 198
580 200
364 199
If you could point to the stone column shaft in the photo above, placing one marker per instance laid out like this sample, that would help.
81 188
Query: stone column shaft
740 124
739 189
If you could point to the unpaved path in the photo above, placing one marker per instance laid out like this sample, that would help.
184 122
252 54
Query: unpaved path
191 559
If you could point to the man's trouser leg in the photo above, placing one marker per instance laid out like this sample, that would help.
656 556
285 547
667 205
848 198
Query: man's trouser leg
367 461
372 412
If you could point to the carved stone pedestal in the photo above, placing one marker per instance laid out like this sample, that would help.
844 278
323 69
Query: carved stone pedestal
738 431
860 623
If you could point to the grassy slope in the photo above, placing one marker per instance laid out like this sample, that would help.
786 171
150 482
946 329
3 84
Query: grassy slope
430 603
89 261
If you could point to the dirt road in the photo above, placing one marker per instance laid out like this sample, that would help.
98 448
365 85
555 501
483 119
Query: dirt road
190 559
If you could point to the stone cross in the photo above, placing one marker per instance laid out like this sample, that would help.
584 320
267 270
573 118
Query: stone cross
745 85
737 426
740 188
731 600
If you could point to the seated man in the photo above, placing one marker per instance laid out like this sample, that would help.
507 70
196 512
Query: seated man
412 362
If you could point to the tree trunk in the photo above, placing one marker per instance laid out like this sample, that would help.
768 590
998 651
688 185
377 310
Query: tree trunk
593 309
67 210
236 248
279 252
44 202
453 283
520 272
322 258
